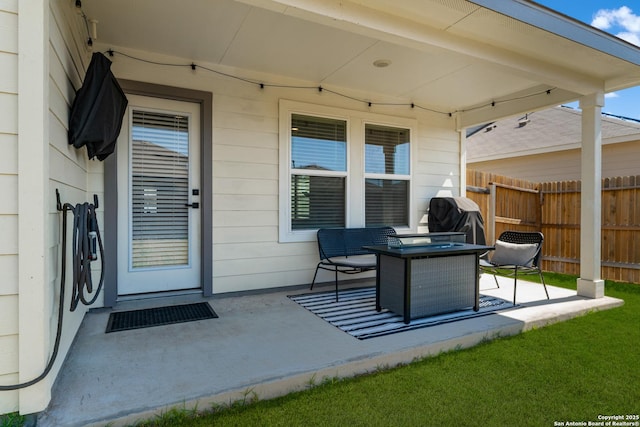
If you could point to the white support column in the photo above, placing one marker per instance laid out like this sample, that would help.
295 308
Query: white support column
491 221
463 162
35 298
590 284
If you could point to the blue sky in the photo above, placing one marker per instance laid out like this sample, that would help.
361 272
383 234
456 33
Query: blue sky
620 18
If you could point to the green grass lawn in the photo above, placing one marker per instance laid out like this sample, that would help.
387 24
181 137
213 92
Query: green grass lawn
572 371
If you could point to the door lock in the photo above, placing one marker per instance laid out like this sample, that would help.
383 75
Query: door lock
194 205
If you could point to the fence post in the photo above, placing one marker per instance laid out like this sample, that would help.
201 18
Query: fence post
491 221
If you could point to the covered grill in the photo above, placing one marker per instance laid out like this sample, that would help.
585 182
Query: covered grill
457 214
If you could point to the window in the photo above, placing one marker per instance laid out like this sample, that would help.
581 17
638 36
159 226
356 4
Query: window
342 168
387 166
318 172
159 189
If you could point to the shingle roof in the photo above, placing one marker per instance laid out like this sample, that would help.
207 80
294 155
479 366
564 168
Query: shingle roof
554 129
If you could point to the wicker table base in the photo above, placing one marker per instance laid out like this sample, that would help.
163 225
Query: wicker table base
421 282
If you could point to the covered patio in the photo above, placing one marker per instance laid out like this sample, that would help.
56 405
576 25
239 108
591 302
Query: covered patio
249 79
263 345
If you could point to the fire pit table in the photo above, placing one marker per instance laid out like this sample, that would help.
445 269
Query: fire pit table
422 275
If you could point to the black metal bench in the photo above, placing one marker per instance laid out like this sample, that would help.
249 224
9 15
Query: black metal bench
341 249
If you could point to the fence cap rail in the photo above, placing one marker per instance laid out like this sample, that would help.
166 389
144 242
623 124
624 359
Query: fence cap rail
479 190
512 187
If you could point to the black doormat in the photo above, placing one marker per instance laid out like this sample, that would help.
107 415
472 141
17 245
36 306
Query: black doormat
145 318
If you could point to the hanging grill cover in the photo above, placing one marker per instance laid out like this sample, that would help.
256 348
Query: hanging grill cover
457 214
97 110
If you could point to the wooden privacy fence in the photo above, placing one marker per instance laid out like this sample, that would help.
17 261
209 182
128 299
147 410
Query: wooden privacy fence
554 209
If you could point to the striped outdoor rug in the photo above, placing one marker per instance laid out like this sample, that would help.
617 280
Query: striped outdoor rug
356 313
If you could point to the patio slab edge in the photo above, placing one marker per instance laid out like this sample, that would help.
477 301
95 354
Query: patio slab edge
545 315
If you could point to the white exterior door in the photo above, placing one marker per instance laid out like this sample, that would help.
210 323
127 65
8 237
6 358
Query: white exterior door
158 197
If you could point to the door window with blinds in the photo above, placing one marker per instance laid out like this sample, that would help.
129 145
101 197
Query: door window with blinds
159 159
318 172
387 175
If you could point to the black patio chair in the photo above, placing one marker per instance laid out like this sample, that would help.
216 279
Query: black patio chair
341 250
516 252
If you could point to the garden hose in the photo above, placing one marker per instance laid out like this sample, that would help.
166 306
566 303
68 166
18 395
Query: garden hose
86 244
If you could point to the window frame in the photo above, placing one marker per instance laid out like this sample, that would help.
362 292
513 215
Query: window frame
389 176
355 169
293 171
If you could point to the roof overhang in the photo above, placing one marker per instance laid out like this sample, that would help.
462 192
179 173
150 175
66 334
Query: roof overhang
476 60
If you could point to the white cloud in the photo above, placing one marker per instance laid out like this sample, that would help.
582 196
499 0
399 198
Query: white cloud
602 20
611 95
622 20
633 38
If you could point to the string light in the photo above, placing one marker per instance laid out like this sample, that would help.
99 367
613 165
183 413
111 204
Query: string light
86 20
321 89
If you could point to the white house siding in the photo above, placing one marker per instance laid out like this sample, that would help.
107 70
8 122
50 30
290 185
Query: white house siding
247 253
557 166
622 159
619 159
9 203
69 168
68 172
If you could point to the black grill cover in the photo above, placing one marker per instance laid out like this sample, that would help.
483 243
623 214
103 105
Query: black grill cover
97 110
457 214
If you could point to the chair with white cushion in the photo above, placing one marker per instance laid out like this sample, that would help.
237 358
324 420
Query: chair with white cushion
516 253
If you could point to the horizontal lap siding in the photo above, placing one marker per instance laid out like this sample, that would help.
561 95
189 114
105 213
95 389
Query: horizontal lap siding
245 210
67 172
69 167
622 159
619 159
9 206
550 166
247 253
437 170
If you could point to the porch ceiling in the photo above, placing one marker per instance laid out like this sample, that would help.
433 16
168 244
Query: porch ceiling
447 55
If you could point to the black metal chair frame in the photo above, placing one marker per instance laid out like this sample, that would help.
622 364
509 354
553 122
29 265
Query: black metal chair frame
518 237
348 242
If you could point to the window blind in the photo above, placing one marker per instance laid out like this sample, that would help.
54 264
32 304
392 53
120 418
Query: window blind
317 202
318 143
386 202
318 172
386 150
387 153
160 188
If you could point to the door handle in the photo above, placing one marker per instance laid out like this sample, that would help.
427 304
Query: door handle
194 205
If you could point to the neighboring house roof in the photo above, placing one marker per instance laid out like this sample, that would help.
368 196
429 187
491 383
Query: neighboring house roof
553 129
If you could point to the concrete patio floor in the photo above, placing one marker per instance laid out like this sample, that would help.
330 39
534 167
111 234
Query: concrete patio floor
262 345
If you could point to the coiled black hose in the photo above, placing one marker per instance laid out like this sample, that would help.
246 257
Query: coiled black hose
86 244
85 236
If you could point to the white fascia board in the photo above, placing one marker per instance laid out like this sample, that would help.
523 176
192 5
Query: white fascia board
518 103
621 83
564 26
